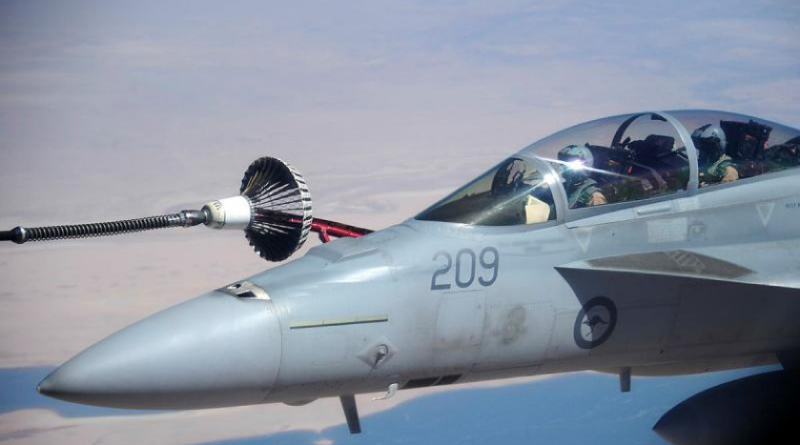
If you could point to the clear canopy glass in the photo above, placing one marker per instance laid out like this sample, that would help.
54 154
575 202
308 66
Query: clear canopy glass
734 146
619 159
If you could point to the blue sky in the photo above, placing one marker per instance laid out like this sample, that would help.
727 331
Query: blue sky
566 410
112 109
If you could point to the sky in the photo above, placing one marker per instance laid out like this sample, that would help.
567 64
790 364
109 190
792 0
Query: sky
112 110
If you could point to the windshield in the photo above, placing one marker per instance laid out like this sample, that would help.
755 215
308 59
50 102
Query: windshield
512 193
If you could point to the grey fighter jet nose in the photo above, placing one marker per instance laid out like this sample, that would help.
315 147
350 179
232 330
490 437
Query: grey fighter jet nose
215 350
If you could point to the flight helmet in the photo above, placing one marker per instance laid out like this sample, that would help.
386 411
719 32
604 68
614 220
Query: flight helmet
575 163
710 142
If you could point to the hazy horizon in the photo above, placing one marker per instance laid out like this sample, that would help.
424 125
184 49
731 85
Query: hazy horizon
111 110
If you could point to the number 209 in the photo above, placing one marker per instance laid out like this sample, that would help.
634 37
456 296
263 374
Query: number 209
466 268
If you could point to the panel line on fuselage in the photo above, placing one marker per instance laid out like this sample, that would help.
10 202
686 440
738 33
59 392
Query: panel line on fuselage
338 322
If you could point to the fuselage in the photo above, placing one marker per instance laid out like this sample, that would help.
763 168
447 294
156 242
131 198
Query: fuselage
428 303
691 279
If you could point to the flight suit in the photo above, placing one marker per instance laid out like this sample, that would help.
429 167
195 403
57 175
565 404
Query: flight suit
721 171
586 194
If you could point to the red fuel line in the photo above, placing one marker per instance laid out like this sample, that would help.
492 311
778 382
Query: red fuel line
327 229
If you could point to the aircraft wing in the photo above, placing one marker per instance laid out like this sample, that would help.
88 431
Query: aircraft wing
677 299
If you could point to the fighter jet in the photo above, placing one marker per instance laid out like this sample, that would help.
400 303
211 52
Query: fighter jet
646 244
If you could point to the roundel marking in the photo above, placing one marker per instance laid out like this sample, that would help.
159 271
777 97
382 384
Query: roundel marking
595 322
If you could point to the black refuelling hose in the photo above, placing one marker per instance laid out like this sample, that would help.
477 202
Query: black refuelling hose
186 218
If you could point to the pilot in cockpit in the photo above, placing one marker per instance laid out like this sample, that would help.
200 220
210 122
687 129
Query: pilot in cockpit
576 164
715 166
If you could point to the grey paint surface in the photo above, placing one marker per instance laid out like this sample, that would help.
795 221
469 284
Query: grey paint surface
426 303
666 279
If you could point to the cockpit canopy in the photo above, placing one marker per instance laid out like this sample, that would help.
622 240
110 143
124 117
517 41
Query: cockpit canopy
621 159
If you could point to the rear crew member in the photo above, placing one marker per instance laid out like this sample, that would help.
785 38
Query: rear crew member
715 165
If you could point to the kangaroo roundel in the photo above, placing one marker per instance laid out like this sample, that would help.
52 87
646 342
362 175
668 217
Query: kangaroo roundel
595 322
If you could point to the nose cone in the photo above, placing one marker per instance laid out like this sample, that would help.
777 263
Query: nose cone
216 350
